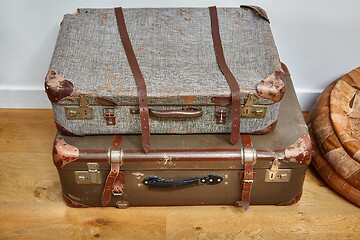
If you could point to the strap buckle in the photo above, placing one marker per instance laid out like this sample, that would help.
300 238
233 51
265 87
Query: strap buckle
248 180
117 192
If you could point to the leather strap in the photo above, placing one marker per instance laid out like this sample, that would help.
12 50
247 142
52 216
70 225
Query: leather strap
233 84
248 177
139 79
115 180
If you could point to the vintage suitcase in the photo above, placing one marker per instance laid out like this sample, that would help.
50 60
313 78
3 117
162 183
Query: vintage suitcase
198 169
165 71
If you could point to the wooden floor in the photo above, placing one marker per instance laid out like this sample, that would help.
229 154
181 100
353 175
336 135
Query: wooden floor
31 206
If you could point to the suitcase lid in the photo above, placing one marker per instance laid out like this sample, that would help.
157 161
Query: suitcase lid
174 49
289 142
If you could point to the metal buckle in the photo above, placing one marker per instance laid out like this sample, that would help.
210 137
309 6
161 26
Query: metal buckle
117 193
248 180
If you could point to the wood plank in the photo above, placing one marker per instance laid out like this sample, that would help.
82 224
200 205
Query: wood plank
31 205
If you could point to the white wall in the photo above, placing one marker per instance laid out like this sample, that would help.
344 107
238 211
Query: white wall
319 40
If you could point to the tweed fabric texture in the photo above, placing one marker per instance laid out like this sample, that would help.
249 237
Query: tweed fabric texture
174 49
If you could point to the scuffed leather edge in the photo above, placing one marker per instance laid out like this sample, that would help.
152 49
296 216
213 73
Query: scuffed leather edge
272 87
71 203
105 102
267 129
63 153
284 68
57 87
292 201
63 130
258 11
300 151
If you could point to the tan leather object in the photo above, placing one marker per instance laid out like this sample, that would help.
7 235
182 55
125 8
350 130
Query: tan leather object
333 123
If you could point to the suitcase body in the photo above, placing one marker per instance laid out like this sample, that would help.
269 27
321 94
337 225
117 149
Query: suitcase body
198 169
92 88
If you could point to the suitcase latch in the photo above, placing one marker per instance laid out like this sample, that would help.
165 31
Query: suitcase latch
91 176
247 110
250 110
83 111
109 115
275 174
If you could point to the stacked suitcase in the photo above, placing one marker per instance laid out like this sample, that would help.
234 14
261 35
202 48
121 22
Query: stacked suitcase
174 107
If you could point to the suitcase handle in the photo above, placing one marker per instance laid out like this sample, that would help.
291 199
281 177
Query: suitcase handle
181 113
154 181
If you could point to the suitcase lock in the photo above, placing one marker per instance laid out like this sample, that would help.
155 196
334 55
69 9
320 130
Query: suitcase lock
83 111
91 176
247 110
250 110
274 174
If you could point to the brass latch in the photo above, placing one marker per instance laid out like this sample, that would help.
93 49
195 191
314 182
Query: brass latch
91 176
247 110
250 110
83 111
274 174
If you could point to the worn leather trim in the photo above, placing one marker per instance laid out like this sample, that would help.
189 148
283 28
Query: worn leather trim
300 151
139 79
268 129
115 180
105 102
233 84
63 130
63 153
248 175
71 203
292 201
284 68
258 11
57 87
272 87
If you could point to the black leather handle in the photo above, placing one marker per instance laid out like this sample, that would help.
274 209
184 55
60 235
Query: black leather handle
154 181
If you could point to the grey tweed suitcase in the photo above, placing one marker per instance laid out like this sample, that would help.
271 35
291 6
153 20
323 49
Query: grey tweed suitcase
165 71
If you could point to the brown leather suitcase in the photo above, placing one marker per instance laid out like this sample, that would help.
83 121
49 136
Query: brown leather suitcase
198 169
